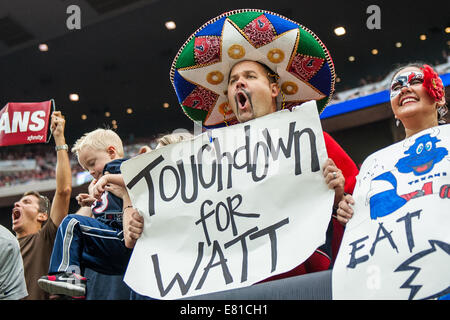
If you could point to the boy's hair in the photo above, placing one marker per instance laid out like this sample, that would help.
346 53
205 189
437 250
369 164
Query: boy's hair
99 139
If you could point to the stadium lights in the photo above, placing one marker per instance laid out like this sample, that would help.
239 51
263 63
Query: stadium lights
165 105
339 31
447 30
107 114
423 37
398 44
351 58
74 97
43 47
83 117
170 25
129 110
374 51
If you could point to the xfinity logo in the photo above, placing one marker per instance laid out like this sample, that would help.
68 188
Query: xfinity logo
38 137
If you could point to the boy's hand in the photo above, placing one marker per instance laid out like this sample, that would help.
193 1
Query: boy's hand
91 187
116 190
99 187
85 200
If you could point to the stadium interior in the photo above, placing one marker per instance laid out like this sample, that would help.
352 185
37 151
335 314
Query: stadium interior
117 64
114 70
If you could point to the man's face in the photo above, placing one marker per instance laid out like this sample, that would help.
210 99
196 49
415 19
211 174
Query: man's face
250 93
25 214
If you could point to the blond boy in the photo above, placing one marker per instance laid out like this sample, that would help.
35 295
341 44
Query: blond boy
94 240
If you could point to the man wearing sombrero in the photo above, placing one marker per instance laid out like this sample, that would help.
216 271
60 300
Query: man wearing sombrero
248 63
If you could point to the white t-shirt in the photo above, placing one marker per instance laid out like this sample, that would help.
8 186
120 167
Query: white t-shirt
12 279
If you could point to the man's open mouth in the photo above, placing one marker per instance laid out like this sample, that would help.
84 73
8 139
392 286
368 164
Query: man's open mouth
242 97
16 214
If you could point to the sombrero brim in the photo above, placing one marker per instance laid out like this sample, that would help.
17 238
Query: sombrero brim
200 69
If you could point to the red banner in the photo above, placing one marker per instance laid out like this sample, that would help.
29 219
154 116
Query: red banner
24 123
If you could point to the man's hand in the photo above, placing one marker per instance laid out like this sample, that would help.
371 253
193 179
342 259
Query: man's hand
57 125
144 149
133 226
63 172
334 179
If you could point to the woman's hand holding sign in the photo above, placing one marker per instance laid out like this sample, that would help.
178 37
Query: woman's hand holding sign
334 179
345 211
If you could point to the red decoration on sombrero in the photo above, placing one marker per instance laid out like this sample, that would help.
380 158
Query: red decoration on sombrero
207 50
305 67
200 98
260 31
432 83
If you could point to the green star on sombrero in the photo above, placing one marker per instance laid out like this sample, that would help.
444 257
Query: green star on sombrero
200 70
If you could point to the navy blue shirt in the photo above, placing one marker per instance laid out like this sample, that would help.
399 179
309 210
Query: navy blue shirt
109 209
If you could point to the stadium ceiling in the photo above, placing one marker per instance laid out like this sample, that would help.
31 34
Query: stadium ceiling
121 56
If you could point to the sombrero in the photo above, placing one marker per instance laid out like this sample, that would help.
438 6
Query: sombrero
200 69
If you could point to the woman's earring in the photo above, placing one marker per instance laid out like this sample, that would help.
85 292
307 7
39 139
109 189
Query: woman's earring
397 122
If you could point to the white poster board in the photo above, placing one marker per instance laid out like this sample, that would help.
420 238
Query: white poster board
230 208
397 245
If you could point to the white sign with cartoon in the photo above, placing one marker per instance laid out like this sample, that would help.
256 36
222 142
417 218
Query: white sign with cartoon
397 245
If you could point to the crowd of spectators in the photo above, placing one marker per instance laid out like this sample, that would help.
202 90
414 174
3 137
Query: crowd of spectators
45 162
370 85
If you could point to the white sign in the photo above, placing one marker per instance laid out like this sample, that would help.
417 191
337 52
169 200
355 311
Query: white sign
397 245
231 207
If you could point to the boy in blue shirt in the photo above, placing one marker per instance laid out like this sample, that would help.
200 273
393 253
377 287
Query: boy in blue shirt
94 240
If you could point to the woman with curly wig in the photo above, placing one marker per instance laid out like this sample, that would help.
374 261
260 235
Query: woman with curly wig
418 102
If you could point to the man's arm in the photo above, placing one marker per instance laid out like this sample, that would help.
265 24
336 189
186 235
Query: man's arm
61 200
133 223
